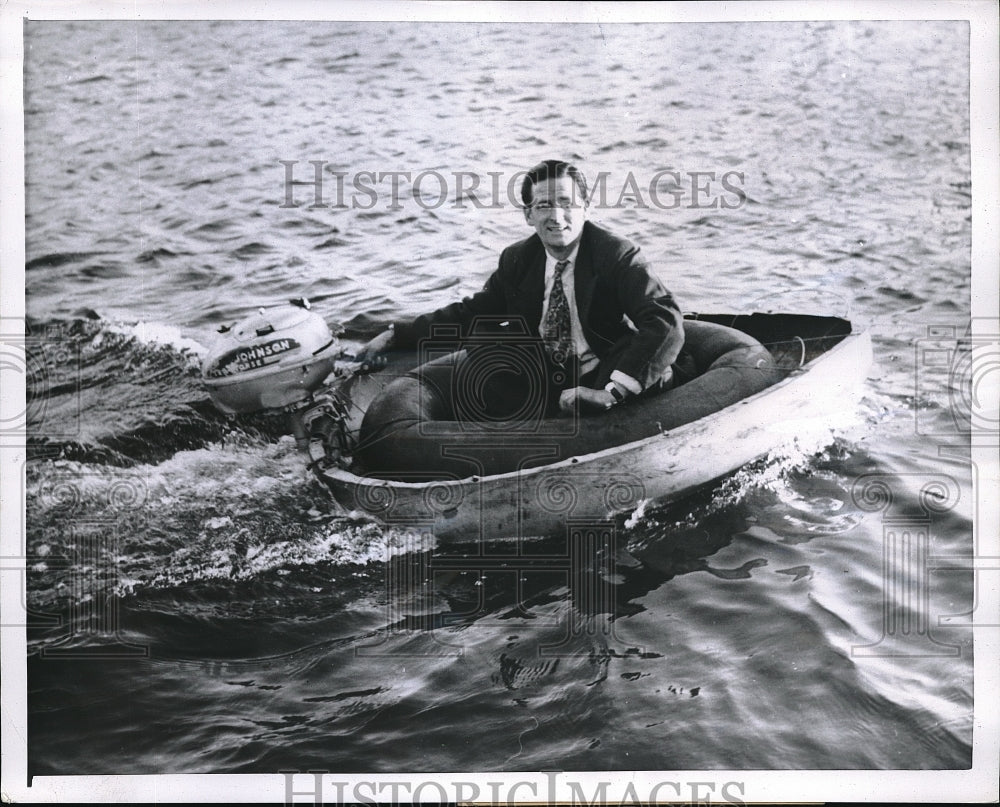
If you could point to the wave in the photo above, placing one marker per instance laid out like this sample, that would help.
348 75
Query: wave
154 255
251 249
120 393
92 79
57 259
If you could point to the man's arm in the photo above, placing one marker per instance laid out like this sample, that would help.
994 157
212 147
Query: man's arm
644 356
658 322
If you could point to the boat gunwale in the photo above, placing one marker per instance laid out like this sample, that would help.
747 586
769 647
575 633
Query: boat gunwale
347 477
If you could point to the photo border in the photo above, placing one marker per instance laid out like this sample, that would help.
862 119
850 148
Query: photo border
977 784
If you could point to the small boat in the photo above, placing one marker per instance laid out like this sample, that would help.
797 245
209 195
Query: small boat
384 444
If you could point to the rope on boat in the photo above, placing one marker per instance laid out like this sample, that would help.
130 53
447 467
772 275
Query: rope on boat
802 358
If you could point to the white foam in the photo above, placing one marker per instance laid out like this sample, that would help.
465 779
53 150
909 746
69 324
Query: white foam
158 333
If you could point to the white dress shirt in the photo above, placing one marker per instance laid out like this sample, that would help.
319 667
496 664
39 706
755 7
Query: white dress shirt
588 359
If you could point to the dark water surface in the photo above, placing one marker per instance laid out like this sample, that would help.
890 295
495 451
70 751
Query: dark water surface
256 627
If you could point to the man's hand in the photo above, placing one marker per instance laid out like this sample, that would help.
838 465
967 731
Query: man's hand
372 353
589 400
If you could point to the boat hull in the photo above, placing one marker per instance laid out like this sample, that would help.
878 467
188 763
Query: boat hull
589 491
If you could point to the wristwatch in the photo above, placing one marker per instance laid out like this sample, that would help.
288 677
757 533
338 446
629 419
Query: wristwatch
616 393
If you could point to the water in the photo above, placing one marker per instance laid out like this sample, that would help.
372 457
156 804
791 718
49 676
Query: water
258 628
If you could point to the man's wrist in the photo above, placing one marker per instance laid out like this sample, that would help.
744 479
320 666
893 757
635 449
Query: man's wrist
625 383
617 392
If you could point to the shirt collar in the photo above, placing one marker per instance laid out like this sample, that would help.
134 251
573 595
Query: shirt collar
550 262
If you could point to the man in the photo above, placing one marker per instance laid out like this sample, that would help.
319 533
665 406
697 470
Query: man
585 293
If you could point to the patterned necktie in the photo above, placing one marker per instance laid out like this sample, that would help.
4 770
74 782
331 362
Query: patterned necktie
556 333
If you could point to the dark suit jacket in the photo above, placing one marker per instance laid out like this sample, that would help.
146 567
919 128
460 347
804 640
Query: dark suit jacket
612 282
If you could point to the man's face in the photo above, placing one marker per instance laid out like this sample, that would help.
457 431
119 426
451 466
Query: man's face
557 213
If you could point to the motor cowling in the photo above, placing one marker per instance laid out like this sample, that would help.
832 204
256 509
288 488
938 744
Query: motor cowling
274 359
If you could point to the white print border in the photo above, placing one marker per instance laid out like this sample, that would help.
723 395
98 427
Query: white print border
979 784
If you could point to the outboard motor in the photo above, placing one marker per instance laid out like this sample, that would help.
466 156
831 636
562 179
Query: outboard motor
278 360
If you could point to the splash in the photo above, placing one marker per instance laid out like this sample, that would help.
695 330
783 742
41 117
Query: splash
157 334
234 511
802 454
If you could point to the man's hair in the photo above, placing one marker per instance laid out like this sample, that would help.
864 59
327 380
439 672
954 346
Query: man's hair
552 169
